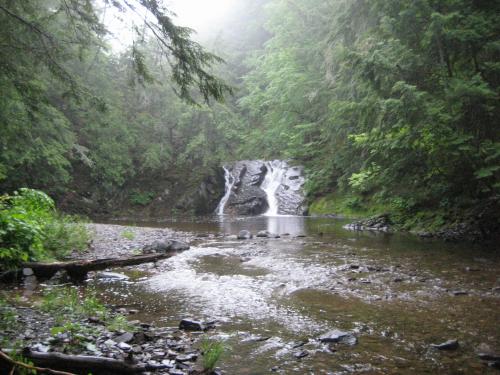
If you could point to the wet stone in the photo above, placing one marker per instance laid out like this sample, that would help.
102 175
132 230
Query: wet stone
298 344
191 325
301 354
136 349
126 337
28 272
111 276
124 346
263 233
447 345
168 363
338 336
244 235
494 364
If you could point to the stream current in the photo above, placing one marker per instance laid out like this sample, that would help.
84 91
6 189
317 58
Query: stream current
273 298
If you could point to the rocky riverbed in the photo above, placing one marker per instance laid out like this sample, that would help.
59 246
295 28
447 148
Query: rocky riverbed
165 350
301 295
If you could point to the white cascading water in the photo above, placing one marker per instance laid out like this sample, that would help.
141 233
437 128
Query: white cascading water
272 181
228 177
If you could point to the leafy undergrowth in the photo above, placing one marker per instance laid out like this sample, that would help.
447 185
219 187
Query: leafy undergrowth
31 229
477 222
349 206
69 303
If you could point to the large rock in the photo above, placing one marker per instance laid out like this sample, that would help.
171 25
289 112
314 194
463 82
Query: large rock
336 335
192 325
247 197
378 223
291 200
165 246
244 235
447 345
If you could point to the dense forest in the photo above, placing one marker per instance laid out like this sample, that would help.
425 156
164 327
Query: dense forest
391 106
289 187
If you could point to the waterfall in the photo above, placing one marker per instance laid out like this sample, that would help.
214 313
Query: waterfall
272 181
260 187
228 177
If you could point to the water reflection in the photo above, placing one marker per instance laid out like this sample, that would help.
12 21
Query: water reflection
293 225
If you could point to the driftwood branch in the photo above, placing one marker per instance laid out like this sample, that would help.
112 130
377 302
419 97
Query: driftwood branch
12 362
58 364
83 364
78 269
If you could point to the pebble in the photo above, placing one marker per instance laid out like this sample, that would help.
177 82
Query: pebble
126 337
447 345
124 346
301 354
28 272
338 336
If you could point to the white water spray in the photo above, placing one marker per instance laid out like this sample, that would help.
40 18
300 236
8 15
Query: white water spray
230 180
272 181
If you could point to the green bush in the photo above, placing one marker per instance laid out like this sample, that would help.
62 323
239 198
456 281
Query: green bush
64 234
141 198
31 229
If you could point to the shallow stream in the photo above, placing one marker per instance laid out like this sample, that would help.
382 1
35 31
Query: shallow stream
273 298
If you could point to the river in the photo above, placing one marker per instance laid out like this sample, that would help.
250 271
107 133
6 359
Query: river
273 298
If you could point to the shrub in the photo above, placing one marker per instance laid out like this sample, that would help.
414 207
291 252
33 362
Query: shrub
31 229
141 198
64 234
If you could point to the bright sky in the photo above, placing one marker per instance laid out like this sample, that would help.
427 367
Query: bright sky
200 15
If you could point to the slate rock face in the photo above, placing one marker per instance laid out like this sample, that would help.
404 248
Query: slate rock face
290 194
247 196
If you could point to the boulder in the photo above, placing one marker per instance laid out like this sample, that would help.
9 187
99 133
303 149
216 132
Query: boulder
126 337
335 336
447 345
263 233
247 197
378 223
165 246
191 325
244 235
290 194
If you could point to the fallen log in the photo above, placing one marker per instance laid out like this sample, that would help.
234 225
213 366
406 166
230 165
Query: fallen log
9 364
58 363
78 269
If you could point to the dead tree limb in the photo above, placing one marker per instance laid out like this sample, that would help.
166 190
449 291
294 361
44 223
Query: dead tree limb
12 362
78 269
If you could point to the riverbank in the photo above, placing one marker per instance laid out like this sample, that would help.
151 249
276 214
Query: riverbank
391 296
43 319
477 224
